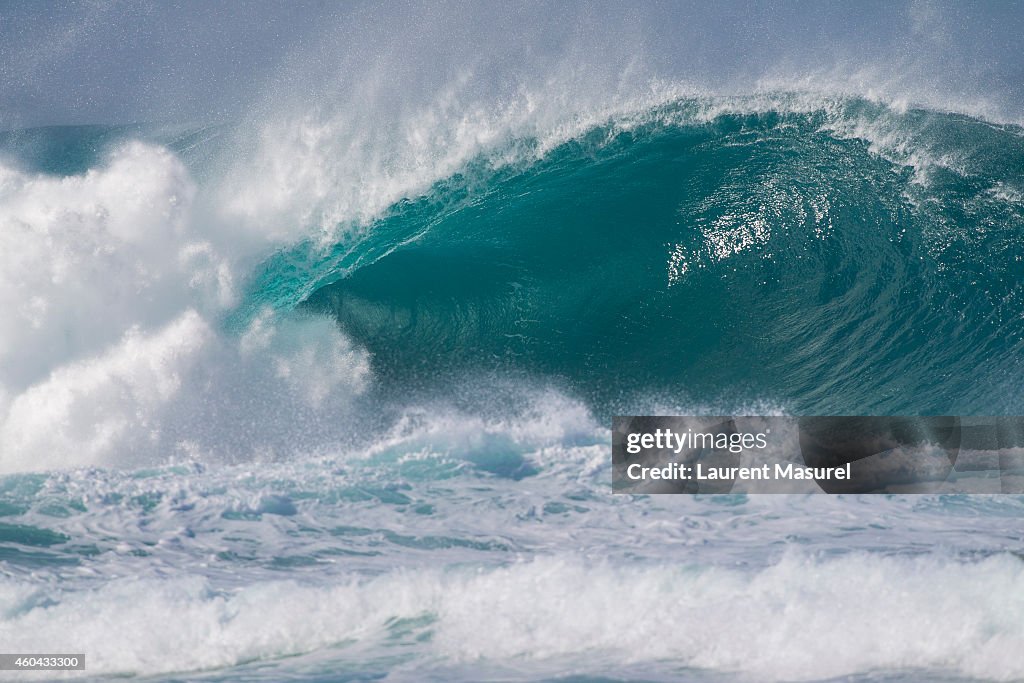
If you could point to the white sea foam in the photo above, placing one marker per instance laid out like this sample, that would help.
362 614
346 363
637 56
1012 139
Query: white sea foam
800 619
111 352
88 409
86 257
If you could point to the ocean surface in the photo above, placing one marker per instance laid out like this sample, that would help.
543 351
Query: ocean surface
308 401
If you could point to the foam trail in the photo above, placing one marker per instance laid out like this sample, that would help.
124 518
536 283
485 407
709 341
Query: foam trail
898 614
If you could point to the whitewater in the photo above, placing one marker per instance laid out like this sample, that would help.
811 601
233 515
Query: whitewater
324 392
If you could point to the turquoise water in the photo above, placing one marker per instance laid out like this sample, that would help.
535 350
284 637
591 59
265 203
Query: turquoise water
267 414
763 253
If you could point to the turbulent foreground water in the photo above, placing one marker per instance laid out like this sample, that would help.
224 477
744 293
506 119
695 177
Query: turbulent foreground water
269 416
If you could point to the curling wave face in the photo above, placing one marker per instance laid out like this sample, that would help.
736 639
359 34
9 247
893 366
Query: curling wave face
842 259
367 379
